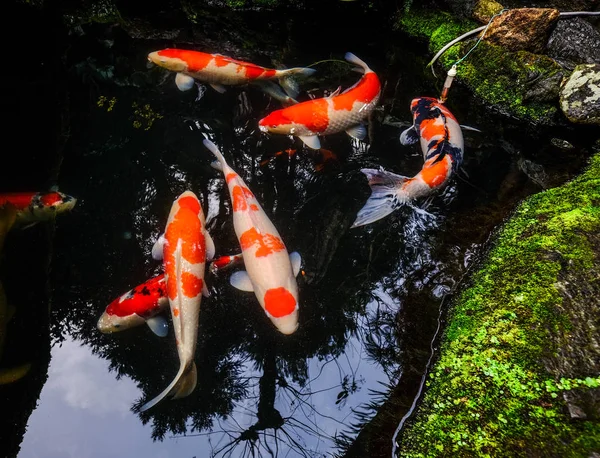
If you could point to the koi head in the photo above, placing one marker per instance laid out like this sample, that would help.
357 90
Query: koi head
55 201
277 123
171 59
110 322
281 306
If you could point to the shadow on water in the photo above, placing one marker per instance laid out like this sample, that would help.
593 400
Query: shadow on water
370 297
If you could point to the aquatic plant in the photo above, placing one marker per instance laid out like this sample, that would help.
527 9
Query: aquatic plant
500 382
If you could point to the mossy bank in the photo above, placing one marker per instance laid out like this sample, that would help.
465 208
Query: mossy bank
518 372
505 81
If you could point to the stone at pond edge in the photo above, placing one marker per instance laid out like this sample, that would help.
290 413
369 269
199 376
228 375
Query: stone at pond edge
573 42
485 9
524 29
580 95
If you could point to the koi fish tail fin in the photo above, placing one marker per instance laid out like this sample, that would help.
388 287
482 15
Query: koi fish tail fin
187 383
220 165
288 79
178 388
386 196
356 61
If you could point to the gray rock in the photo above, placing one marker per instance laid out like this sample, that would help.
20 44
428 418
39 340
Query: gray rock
544 89
580 95
573 42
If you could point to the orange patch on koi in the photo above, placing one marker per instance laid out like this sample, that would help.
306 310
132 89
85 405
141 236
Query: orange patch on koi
434 174
254 207
365 91
239 196
191 284
279 302
267 243
230 176
176 312
431 128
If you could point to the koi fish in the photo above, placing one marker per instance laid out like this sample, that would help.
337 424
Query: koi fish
329 115
184 247
219 71
289 152
224 262
442 145
139 305
270 271
33 207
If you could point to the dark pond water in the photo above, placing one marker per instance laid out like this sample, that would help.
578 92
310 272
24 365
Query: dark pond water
371 298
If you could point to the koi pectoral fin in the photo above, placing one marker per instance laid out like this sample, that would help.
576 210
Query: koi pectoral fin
359 132
210 246
184 82
409 136
157 248
241 281
218 87
386 196
312 141
296 261
158 325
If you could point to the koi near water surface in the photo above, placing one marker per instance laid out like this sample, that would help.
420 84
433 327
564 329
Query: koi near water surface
442 145
270 271
184 248
33 207
338 112
220 71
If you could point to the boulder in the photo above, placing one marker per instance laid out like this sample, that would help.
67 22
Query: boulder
573 42
580 95
523 29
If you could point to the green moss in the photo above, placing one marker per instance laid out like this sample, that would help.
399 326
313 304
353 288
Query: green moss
489 391
497 77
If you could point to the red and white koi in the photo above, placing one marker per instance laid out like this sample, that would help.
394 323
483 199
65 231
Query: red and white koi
185 247
220 71
140 305
442 145
33 207
270 271
225 262
329 115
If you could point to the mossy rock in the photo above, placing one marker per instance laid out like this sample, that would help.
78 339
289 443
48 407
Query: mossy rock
521 349
497 77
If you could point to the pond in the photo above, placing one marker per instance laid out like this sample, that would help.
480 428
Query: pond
372 299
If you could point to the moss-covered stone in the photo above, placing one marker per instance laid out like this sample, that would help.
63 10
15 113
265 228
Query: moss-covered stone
503 381
497 77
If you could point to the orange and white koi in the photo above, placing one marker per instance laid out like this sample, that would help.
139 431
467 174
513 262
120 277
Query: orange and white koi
329 115
270 271
33 207
442 145
184 248
140 305
220 71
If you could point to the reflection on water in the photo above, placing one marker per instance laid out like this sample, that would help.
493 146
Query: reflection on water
370 297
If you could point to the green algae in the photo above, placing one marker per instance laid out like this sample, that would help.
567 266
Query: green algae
497 77
489 391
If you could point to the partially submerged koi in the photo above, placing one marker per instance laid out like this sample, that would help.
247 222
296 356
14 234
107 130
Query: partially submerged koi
335 113
33 207
140 305
270 271
220 71
225 262
442 145
184 248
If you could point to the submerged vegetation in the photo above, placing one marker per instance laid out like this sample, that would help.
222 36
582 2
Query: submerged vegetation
499 383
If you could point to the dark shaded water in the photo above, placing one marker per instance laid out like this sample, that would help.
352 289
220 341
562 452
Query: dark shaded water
370 297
